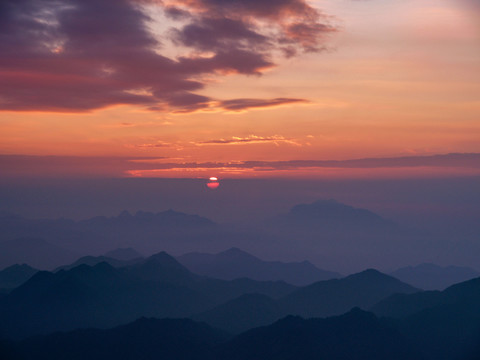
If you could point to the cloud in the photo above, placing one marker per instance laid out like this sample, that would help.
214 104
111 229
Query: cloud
244 104
81 55
235 140
77 166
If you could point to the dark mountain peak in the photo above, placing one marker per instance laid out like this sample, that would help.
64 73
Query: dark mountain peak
337 296
289 320
374 276
164 259
15 275
161 267
358 313
369 274
103 266
18 268
101 269
467 289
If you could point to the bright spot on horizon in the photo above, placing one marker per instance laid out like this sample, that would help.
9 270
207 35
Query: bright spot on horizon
213 183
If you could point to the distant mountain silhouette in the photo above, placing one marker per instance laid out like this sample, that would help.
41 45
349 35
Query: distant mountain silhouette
357 335
124 254
334 297
332 215
434 277
324 298
235 263
341 236
94 260
243 313
466 293
85 296
35 252
162 267
446 324
104 296
100 234
15 275
450 329
143 339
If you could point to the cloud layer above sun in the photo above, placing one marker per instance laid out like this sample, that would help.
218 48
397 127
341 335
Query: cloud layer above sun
81 55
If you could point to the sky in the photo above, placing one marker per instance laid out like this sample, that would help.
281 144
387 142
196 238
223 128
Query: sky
239 89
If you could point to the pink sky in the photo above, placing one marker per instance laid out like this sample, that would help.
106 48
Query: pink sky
199 82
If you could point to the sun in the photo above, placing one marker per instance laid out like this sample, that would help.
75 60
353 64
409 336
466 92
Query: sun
213 183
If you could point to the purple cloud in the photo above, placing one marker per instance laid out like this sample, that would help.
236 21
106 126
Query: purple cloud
80 55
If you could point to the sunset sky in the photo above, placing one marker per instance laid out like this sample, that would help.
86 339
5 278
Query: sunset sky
239 88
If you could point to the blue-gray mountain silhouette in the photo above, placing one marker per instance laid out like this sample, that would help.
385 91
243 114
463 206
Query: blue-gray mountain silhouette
434 277
15 275
104 296
243 313
357 335
94 260
324 298
235 263
334 297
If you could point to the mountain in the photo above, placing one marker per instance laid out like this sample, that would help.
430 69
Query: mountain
125 254
445 323
103 296
466 294
324 298
94 260
343 237
15 275
450 329
143 339
334 297
332 215
147 231
243 313
235 263
35 252
163 268
85 296
357 335
434 277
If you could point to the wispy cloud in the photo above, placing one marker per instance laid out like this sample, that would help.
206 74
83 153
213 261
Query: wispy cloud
235 140
238 105
78 166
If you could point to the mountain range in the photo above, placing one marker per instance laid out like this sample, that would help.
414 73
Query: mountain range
241 319
434 277
328 234
235 263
